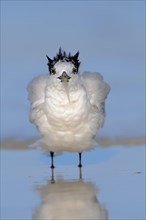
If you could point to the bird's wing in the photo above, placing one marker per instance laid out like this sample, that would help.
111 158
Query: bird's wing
36 96
97 90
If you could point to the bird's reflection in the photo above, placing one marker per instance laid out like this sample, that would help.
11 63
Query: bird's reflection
68 200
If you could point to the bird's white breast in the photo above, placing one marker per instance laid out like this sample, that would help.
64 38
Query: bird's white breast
63 111
70 124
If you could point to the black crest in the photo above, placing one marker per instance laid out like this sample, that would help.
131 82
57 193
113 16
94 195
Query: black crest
62 56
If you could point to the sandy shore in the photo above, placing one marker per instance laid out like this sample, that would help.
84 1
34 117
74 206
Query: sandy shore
102 141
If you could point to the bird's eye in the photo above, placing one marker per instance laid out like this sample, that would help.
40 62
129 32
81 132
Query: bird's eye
74 70
53 71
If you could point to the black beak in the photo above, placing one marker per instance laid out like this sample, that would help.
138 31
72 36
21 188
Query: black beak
64 77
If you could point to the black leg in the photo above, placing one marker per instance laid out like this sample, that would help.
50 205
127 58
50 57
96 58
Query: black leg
52 159
80 160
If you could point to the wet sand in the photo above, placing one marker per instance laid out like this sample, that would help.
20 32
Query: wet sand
110 185
101 141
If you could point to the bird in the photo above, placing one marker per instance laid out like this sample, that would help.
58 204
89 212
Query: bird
67 106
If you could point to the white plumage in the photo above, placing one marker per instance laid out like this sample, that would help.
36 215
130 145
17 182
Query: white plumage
68 110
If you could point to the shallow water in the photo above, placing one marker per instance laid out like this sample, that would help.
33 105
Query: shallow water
111 185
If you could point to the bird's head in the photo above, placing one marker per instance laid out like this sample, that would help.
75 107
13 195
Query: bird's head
63 67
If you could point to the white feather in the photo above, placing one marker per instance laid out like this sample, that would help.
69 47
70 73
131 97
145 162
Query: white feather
97 91
68 122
